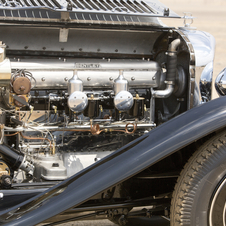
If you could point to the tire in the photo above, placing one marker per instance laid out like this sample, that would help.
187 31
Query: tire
199 197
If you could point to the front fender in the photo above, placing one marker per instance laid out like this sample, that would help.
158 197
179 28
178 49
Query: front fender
121 165
204 49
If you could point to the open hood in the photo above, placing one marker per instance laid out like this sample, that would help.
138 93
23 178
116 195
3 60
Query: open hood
84 11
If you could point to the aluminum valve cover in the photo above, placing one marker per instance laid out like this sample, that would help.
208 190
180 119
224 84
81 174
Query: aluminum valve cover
95 74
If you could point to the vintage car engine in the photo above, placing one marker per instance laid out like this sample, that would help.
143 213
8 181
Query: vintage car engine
103 115
65 114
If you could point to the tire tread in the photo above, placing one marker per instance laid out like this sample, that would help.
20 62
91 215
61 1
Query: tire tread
194 170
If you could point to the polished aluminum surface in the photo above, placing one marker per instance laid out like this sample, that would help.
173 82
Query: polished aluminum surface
121 84
119 125
81 41
220 83
49 167
77 101
76 161
205 84
164 93
5 74
192 99
74 84
93 73
203 45
123 101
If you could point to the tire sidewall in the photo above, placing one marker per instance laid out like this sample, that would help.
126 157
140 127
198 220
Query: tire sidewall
204 190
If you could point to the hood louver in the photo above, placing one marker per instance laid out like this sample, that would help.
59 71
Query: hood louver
90 10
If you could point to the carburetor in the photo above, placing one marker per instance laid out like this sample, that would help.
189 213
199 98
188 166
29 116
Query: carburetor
82 84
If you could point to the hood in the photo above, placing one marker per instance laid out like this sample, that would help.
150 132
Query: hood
85 11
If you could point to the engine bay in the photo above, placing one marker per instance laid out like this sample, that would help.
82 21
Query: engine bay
60 115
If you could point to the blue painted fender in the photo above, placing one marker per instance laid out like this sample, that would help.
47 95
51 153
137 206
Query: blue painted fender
121 165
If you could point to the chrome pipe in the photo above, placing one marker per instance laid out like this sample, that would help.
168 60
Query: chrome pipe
173 45
164 93
80 127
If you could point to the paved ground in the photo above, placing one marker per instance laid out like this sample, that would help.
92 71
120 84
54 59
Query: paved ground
210 16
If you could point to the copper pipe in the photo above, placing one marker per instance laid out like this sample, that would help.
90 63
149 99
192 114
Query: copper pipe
134 128
126 129
36 138
9 135
95 129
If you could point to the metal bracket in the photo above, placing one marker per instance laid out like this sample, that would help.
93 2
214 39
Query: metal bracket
63 36
188 19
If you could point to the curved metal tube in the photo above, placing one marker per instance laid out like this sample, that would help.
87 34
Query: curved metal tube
171 71
1 133
84 128
164 93
173 45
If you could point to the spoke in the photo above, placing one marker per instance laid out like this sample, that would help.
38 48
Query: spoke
224 213
220 190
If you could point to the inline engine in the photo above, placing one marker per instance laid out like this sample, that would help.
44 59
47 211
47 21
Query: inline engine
65 114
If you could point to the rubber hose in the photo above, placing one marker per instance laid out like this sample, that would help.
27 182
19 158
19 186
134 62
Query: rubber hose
171 67
13 157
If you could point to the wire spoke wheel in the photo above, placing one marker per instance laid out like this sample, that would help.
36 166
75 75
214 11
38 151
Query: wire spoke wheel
217 212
